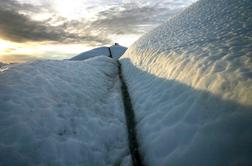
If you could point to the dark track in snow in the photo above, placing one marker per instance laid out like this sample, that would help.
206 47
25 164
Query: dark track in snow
110 53
131 123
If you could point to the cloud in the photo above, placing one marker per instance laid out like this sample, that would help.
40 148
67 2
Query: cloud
17 25
131 19
12 5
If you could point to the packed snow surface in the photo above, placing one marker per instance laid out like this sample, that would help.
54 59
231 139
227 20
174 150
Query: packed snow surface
190 81
65 113
116 51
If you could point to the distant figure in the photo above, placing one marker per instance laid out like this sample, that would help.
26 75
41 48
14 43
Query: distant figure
115 51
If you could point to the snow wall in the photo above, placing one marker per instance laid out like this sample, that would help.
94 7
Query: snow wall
62 113
190 81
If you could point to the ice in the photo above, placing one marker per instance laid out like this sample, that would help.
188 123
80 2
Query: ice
190 82
62 113
116 51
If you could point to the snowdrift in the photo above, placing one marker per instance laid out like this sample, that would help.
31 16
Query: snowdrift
190 82
62 113
116 52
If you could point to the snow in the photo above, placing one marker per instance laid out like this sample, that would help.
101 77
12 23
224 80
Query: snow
101 51
116 51
190 82
62 113
3 67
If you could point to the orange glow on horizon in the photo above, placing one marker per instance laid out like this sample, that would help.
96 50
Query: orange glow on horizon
6 46
11 52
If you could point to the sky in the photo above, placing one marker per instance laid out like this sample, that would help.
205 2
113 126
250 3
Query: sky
60 29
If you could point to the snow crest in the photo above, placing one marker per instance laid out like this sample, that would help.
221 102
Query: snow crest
190 81
62 113
116 52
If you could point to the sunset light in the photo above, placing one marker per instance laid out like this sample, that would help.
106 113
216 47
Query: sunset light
59 29
6 46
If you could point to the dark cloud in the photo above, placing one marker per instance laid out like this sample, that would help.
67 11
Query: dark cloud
18 27
12 5
131 19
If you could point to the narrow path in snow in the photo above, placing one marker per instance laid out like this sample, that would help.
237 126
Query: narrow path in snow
130 119
131 123
110 53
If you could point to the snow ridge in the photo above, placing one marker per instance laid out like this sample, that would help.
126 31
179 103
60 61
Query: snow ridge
190 81
114 51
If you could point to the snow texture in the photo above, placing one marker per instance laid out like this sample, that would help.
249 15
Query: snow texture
116 51
190 81
65 113
3 67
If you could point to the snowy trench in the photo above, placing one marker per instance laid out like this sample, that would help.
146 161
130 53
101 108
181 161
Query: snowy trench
63 113
137 158
180 95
